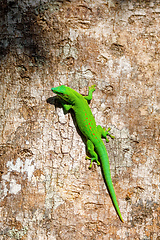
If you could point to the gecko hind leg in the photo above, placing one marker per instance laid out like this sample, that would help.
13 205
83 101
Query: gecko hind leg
103 132
94 156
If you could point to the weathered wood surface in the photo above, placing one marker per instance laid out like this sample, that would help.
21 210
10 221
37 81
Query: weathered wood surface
47 190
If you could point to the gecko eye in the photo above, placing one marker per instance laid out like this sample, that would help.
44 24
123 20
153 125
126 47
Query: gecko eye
65 96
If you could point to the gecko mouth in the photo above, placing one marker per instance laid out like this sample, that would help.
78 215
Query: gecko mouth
54 90
57 92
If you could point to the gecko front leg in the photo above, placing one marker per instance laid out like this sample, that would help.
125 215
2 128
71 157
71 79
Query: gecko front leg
91 90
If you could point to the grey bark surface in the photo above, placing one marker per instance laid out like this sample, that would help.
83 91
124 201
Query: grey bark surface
47 190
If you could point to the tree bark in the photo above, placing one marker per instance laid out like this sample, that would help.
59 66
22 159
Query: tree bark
47 190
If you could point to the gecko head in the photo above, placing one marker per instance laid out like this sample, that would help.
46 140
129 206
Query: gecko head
64 93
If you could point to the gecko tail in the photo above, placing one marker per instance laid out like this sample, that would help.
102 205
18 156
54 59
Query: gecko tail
105 167
111 191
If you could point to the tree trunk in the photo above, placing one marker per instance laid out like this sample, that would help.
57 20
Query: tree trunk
47 190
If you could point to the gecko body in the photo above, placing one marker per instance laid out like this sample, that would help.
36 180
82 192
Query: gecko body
71 99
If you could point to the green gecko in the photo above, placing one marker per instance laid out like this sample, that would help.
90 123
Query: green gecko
70 99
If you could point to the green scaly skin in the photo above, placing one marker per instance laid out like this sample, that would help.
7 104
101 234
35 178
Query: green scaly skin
70 99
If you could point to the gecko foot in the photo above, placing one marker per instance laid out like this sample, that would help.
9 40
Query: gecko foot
92 160
92 88
107 133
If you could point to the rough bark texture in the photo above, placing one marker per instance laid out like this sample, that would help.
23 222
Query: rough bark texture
47 190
